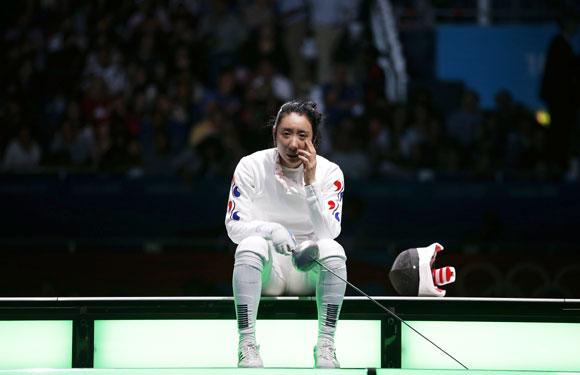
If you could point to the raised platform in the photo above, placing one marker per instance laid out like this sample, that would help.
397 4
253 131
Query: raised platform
198 334
274 371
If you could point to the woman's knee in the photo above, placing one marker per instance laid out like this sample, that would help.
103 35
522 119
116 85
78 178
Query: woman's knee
329 248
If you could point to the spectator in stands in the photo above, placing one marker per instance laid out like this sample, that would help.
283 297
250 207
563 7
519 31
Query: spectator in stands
68 147
226 32
532 157
342 97
264 44
414 137
349 149
504 117
292 16
269 83
560 89
143 73
180 116
106 64
23 152
258 13
464 124
227 94
380 139
206 154
328 20
158 160
390 162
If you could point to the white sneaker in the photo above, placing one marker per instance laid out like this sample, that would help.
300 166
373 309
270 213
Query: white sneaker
325 355
249 354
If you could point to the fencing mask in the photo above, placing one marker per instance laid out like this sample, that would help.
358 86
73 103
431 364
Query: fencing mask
412 273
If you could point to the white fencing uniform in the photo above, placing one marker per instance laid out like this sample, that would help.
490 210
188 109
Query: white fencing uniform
263 191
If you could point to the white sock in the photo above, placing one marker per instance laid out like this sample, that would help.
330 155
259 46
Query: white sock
329 295
247 286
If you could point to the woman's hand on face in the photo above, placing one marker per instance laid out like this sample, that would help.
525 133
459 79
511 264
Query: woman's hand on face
308 157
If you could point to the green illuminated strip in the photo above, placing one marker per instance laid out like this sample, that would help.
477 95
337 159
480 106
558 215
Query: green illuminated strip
213 343
35 344
270 371
492 345
197 371
467 372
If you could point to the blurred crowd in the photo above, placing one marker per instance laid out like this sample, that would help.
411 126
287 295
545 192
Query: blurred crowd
188 87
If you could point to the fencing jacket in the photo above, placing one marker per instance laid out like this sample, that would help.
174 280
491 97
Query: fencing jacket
264 191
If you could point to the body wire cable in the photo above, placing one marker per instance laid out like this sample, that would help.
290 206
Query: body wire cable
390 312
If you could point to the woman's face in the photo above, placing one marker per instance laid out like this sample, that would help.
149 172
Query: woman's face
291 135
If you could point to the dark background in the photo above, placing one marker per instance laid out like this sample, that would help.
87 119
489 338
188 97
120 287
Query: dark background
139 111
